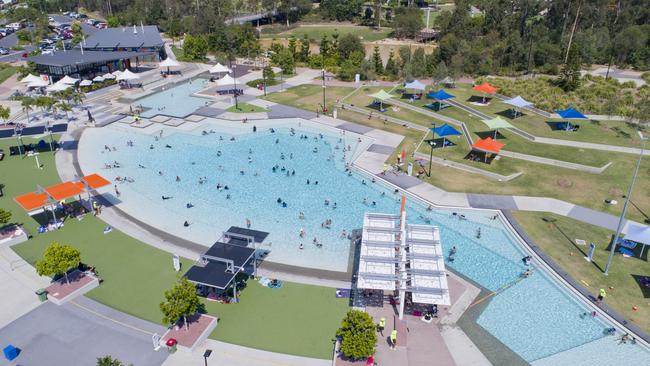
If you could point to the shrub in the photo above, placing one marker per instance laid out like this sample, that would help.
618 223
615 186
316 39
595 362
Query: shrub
358 335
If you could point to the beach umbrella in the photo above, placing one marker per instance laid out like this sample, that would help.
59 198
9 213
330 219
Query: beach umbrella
219 68
85 83
108 76
68 80
116 73
98 79
169 62
29 78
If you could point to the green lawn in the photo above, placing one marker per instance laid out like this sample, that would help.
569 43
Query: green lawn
309 96
556 236
7 72
586 189
297 319
246 108
601 132
315 33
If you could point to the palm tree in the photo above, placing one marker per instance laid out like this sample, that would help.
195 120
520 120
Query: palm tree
78 97
5 112
66 108
27 103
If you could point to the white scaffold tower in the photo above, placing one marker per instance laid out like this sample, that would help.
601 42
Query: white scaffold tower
396 256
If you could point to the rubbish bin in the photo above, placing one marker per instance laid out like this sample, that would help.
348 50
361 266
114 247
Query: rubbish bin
171 345
42 294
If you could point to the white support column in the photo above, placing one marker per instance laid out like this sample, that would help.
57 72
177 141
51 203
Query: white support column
402 266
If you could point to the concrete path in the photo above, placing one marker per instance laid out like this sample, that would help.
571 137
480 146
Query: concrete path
233 355
18 282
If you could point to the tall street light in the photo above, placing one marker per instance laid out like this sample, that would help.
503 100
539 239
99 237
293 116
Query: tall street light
324 108
621 220
432 144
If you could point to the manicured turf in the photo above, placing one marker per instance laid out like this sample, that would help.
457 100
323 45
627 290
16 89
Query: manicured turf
246 108
586 189
6 73
557 239
315 33
296 319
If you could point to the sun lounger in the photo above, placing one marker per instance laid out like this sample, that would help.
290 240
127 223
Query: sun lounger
627 244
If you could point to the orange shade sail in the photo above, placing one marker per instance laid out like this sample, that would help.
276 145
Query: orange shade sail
488 145
95 181
485 88
31 201
61 191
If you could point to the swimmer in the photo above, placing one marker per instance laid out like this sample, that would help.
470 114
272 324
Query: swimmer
160 173
228 196
284 204
301 233
178 179
141 166
344 234
189 205
307 181
186 224
168 146
301 215
248 223
478 233
279 200
334 205
166 198
301 246
526 273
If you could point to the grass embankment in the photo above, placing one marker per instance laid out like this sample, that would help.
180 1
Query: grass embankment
316 33
586 189
296 319
556 235
6 71
616 133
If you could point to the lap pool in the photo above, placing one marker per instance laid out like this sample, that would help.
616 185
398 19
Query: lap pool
534 317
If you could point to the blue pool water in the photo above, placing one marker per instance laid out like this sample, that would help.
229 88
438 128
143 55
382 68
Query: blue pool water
175 100
533 317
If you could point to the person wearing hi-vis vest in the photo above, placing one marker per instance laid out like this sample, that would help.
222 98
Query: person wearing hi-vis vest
393 338
382 325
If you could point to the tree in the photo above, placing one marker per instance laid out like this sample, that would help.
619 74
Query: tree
351 66
341 10
268 73
5 112
109 361
304 49
391 66
376 59
286 61
293 46
324 46
358 335
570 73
440 72
181 301
113 22
348 44
408 22
58 260
26 103
5 216
195 47
65 107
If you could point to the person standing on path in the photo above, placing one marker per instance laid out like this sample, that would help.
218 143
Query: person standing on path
382 325
393 338
601 296
248 223
117 193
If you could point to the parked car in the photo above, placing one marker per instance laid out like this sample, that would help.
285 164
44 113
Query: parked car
4 51
101 25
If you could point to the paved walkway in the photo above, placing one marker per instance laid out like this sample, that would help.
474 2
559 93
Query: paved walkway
234 355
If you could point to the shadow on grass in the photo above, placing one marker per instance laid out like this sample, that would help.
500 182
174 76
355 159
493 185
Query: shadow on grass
510 114
485 134
644 284
580 249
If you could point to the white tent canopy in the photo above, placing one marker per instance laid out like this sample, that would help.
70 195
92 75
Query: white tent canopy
226 81
37 83
58 86
85 83
169 62
98 79
518 102
29 79
219 68
127 75
68 80
108 76
116 73
415 84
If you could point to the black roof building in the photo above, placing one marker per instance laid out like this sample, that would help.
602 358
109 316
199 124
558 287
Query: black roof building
78 63
139 39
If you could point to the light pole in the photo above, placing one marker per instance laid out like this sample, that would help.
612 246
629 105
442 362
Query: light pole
234 77
621 220
432 144
206 355
324 108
